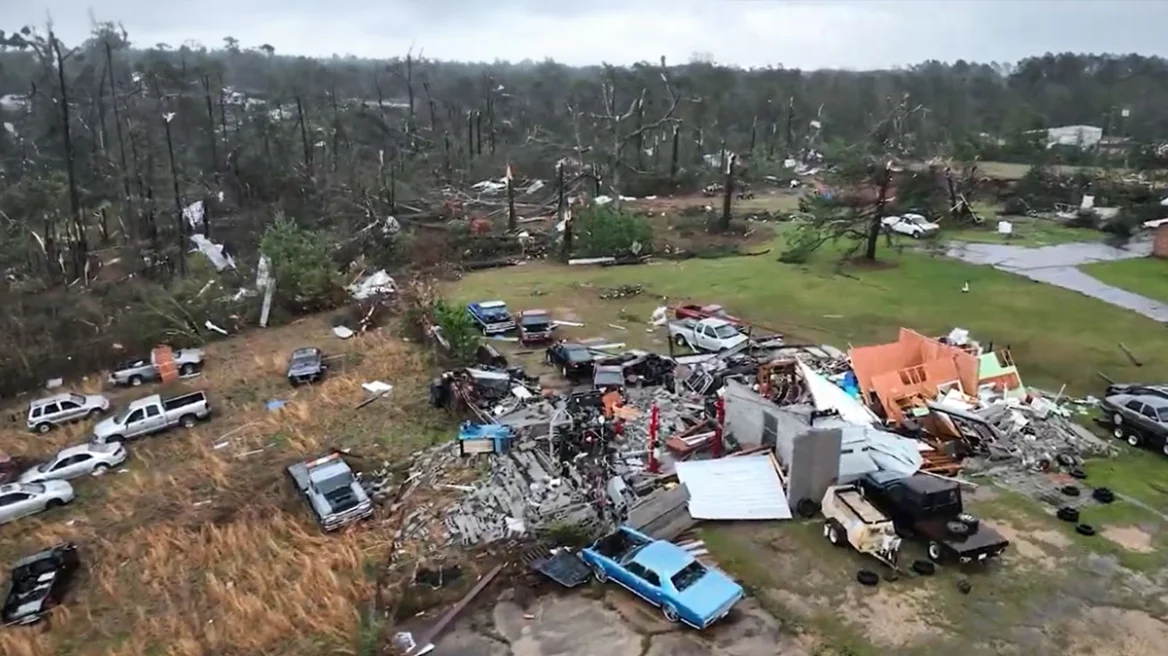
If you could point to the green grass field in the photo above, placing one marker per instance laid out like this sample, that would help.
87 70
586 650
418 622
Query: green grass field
1057 336
1145 276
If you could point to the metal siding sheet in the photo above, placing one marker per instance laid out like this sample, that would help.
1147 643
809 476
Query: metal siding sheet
734 488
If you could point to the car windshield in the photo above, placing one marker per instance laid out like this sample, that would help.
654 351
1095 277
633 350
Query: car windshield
725 331
535 320
77 398
34 488
578 354
688 576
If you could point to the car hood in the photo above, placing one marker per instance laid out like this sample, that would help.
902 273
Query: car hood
710 594
106 426
305 367
31 475
57 487
97 401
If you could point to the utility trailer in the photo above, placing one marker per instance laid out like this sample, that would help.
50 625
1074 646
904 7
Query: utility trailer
852 520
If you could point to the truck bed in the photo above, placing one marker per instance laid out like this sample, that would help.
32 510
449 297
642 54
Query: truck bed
860 506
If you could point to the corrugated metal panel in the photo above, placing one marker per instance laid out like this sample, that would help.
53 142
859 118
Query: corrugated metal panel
734 488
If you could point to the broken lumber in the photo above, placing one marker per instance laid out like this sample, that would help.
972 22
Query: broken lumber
1130 356
445 620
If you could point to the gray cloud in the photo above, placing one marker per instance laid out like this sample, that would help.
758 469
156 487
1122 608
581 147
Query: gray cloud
855 34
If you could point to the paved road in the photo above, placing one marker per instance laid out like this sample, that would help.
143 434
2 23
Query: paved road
1058 265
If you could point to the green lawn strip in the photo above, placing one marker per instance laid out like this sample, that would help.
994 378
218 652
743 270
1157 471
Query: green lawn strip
1146 276
865 306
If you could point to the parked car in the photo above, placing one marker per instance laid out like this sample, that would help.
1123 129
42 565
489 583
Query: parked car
39 582
931 509
664 575
853 520
535 327
492 317
713 311
1140 419
333 492
20 499
575 361
51 411
75 461
608 377
711 335
913 225
153 414
143 370
306 365
1141 389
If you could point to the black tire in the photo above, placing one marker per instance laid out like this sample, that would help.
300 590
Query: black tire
670 613
1077 473
924 567
680 341
100 469
136 381
1070 490
807 508
964 586
54 503
867 577
835 533
1085 529
936 552
916 235
187 369
1134 440
958 527
1103 495
44 428
969 520
188 421
1068 514
93 414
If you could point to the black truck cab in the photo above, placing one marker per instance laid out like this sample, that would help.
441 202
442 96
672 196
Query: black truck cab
930 508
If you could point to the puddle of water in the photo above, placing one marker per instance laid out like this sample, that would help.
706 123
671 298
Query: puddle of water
1056 265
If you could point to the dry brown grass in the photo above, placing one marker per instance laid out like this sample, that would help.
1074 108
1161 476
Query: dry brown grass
198 550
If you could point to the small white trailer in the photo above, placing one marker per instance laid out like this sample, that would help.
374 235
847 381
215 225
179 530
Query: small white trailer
852 520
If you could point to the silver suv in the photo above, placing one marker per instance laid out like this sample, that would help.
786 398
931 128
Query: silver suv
51 411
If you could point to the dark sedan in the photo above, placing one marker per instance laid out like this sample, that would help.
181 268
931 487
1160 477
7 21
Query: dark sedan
306 366
574 361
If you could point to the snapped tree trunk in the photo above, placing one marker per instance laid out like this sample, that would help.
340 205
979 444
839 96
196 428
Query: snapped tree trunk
640 131
673 157
470 151
561 209
728 194
81 247
211 123
178 205
512 218
304 135
109 67
753 136
790 126
878 214
479 132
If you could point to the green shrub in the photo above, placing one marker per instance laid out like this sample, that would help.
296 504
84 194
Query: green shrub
458 329
300 262
606 231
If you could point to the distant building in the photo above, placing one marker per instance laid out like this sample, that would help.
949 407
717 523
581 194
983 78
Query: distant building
1083 137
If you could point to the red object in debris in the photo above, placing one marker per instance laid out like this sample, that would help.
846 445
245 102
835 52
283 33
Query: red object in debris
654 426
705 312
479 226
720 418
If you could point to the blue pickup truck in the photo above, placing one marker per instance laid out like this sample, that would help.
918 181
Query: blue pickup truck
492 317
664 575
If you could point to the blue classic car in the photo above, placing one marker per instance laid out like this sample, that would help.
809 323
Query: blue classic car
492 317
664 575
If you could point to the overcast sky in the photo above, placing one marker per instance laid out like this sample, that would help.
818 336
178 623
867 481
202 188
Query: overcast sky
857 34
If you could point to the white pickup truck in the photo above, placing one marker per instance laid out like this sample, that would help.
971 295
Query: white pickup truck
711 334
153 414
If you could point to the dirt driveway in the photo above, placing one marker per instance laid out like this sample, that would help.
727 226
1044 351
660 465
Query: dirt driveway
610 622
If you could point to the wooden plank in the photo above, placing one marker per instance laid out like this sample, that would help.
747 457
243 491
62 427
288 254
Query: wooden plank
441 624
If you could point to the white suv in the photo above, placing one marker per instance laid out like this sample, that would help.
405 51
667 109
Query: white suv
44 414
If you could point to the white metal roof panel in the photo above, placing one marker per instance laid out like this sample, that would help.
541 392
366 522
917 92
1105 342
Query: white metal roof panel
747 487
